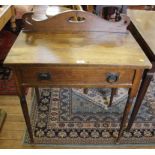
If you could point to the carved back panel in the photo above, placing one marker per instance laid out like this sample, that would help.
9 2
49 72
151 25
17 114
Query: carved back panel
66 23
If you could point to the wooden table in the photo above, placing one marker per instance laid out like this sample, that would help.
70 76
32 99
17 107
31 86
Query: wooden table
92 52
143 29
7 12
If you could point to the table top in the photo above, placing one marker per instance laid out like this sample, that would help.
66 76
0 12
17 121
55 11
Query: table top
62 40
87 48
144 21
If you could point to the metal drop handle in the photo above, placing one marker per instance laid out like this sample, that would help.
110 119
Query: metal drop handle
44 76
112 77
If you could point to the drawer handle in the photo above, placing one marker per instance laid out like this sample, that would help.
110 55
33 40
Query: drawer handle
112 77
44 76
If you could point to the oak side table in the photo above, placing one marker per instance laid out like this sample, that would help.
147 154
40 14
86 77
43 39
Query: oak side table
90 52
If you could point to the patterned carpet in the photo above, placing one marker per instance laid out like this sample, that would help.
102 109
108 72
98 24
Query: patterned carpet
67 116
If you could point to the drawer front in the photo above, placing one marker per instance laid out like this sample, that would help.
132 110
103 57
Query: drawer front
76 75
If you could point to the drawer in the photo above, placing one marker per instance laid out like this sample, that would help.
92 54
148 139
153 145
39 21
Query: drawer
76 75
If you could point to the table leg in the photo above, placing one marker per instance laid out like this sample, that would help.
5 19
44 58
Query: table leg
23 102
132 94
142 91
125 114
113 92
37 94
85 90
26 116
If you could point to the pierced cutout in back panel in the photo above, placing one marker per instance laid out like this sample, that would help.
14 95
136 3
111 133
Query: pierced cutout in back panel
76 19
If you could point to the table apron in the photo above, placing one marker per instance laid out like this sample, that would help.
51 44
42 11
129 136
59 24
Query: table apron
76 76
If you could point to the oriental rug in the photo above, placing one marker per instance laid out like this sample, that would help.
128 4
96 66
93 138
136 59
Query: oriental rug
67 116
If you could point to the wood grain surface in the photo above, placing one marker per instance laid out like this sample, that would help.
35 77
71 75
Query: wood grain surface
109 49
76 76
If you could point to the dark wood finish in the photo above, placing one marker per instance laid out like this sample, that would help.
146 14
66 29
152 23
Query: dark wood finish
143 88
132 94
23 103
125 115
85 90
37 94
113 93
26 116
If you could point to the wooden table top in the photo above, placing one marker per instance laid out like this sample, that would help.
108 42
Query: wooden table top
144 21
86 48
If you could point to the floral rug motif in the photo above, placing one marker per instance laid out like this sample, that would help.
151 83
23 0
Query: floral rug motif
68 116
